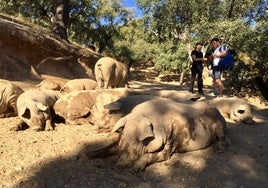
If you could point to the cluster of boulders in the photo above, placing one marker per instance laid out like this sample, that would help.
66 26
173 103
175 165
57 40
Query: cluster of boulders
151 125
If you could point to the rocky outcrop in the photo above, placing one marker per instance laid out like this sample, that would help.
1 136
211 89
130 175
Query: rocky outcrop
28 51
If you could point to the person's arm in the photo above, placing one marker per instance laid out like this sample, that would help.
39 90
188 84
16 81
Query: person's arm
194 58
222 53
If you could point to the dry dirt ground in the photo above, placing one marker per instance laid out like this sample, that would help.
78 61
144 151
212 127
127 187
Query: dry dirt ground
49 159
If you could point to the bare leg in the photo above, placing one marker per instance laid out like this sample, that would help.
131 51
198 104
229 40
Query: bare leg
215 89
220 86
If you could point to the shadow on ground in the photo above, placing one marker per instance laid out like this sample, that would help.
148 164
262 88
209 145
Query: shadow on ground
243 164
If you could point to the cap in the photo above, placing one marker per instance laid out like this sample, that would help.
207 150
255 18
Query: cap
199 43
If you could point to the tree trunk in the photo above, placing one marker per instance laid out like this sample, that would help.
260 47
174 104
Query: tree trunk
181 78
230 12
59 22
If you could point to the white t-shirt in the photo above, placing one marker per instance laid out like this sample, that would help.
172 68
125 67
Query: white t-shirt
217 51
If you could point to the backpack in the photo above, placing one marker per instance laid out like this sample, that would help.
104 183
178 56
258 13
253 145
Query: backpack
227 62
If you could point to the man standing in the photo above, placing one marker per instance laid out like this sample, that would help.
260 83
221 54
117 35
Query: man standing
219 52
197 68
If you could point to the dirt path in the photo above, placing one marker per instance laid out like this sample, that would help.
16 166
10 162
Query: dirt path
48 159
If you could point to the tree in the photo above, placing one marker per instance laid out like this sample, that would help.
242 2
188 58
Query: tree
95 23
59 22
90 23
38 12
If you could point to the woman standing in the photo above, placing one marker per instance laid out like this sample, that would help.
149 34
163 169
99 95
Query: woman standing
197 68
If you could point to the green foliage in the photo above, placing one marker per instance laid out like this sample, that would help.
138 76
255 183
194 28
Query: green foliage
38 12
91 22
96 22
171 57
241 24
137 47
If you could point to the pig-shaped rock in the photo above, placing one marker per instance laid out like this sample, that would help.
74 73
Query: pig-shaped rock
79 85
80 107
9 94
111 73
233 108
51 84
125 104
158 128
178 96
35 108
